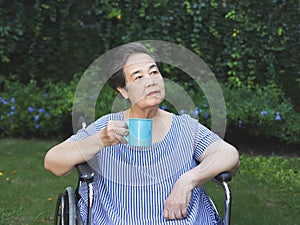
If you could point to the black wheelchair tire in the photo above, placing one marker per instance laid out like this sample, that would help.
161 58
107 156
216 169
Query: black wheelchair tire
66 208
58 207
72 207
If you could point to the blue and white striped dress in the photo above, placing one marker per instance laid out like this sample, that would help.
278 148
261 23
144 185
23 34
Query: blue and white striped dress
132 183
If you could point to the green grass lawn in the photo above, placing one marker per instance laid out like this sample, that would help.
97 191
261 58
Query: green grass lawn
265 191
28 192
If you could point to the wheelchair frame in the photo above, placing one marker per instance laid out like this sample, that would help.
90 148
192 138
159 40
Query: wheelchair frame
66 212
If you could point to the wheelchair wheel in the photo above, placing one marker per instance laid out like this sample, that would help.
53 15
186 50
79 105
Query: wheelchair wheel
66 208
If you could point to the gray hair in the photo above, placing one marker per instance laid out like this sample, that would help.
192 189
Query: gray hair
121 54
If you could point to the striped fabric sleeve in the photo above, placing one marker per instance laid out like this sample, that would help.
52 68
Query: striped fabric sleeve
91 129
203 138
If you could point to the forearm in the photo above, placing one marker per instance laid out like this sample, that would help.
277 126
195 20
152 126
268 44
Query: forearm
219 157
62 158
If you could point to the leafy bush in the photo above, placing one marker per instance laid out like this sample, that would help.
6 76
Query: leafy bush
279 172
243 41
257 111
246 43
29 110
262 111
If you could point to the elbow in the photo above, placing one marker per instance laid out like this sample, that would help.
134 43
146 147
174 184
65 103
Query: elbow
50 164
235 160
235 156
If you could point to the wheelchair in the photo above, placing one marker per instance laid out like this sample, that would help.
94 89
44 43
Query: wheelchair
67 213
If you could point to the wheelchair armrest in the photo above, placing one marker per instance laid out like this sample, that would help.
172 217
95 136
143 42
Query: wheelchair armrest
85 172
223 177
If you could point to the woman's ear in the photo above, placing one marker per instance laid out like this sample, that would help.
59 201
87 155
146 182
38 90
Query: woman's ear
123 91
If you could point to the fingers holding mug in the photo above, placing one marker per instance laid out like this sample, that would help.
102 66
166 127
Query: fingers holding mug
120 128
114 132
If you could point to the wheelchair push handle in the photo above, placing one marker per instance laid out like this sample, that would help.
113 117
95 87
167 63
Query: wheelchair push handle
85 172
223 177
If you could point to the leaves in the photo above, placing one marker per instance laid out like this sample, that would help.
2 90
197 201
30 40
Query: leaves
59 38
279 172
262 111
246 43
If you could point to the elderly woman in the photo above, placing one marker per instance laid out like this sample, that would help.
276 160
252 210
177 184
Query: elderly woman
167 186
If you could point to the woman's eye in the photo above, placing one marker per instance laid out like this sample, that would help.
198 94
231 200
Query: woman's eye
154 72
138 77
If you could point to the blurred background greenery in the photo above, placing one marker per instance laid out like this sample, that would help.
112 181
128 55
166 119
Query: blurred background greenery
252 47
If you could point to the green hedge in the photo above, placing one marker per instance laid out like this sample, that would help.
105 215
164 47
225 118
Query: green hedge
262 111
28 110
243 42
251 46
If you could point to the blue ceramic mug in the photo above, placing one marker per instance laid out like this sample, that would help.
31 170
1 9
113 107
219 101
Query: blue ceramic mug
140 132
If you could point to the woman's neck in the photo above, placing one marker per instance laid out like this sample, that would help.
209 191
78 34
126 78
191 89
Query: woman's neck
135 112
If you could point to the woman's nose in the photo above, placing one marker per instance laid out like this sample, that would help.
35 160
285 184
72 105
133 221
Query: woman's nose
149 80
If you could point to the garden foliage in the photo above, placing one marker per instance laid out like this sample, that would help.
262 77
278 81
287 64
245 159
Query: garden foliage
251 46
30 110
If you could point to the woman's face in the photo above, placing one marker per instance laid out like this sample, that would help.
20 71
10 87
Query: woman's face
144 83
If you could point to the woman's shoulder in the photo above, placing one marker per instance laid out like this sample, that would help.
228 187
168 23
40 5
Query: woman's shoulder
188 123
103 120
184 118
110 116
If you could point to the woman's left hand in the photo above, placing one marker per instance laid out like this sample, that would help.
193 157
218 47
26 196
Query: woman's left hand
177 202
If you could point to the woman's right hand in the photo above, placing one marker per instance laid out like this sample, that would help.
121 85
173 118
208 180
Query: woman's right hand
114 133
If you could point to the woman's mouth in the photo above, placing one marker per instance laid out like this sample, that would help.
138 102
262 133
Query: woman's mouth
153 93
